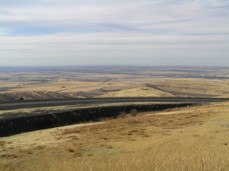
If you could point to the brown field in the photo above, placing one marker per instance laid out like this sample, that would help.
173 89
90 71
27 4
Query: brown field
183 139
78 82
191 138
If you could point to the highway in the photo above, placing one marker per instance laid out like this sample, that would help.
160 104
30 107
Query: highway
48 103
19 122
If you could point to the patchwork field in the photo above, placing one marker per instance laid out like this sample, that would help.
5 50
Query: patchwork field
91 82
192 138
189 138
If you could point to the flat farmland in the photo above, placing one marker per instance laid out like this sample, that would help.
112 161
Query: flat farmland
95 82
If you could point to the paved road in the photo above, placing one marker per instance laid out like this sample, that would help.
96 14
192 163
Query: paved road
32 104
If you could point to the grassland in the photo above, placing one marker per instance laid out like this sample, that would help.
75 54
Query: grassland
190 138
89 82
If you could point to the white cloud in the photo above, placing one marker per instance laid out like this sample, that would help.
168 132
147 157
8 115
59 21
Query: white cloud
114 31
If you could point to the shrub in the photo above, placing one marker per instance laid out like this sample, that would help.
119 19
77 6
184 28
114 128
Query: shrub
21 98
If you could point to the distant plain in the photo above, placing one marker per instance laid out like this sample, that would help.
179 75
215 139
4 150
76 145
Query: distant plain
191 138
94 82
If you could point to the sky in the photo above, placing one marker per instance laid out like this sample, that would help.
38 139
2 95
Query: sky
114 32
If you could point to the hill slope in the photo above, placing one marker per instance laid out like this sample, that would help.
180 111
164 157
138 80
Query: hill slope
194 138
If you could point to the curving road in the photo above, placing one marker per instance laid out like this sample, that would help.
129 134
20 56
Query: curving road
47 103
19 122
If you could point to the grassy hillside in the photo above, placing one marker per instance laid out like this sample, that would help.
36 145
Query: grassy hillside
192 138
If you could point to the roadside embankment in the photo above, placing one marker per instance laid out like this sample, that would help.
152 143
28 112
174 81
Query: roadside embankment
13 126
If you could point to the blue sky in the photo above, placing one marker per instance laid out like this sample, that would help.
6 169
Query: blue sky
105 32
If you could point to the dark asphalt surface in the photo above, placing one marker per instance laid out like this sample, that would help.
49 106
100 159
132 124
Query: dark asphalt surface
48 103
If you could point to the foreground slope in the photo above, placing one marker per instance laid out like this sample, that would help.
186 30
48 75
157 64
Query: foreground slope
194 138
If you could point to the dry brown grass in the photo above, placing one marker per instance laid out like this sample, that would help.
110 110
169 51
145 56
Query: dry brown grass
194 138
203 87
50 85
166 87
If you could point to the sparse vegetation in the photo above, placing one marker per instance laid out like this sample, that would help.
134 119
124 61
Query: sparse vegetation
133 112
176 140
21 98
71 150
